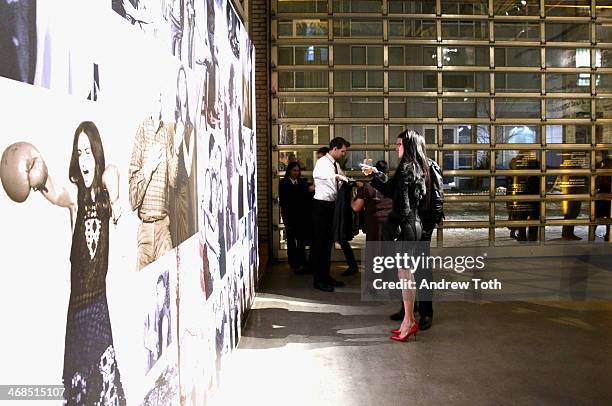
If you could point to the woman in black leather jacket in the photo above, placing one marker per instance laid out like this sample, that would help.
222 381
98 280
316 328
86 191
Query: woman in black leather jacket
406 188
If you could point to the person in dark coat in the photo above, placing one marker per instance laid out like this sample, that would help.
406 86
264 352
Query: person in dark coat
603 184
295 195
376 205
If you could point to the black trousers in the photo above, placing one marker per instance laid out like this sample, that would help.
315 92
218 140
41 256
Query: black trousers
424 296
573 211
348 254
296 248
323 239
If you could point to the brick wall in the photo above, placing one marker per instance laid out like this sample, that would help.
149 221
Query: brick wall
259 33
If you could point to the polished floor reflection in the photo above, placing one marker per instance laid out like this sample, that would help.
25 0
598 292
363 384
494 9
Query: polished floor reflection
305 347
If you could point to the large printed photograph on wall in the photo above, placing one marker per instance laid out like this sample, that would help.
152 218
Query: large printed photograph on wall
128 173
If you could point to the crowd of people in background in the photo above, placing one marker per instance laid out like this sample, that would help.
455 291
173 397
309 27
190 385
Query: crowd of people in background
406 206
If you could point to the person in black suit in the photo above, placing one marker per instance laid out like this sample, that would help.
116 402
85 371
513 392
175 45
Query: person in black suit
295 196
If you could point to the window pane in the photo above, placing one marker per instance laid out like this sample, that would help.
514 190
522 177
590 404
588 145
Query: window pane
567 185
466 134
413 81
360 134
466 159
558 210
568 134
567 32
568 57
517 108
472 211
603 83
603 134
353 27
519 8
412 7
411 55
571 234
465 107
285 55
462 237
517 82
524 31
568 108
604 8
515 160
465 81
303 107
603 58
411 28
603 107
358 107
303 134
302 55
466 185
568 83
302 81
357 6
427 130
568 159
462 29
517 134
354 158
603 32
568 8
302 6
358 80
302 28
517 56
412 107
465 56
306 159
467 8
358 54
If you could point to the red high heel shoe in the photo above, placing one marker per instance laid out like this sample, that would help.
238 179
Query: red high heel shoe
396 331
413 331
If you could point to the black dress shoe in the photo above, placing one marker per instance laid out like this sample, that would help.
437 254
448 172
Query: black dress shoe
350 271
325 287
399 316
337 284
425 322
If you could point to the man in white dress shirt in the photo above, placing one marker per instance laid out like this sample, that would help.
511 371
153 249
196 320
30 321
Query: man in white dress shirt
327 176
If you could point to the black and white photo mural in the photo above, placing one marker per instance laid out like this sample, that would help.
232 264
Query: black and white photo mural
128 197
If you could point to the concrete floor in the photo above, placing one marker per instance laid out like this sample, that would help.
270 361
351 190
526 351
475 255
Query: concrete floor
305 347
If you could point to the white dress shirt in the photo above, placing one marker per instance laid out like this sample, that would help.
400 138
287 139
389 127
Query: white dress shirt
324 174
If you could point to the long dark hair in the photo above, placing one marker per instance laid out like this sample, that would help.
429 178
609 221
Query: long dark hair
290 167
102 199
178 105
413 162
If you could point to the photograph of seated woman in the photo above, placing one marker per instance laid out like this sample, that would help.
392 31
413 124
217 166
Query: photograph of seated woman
406 189
295 197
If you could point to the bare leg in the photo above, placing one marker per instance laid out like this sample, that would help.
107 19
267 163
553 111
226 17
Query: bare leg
408 296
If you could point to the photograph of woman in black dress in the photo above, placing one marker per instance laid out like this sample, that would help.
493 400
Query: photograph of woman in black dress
91 375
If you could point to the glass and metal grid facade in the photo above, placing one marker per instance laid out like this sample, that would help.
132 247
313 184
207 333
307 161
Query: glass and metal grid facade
514 98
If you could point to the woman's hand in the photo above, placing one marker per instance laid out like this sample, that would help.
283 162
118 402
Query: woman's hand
368 170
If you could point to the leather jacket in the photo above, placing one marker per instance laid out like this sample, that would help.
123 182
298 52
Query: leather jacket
406 188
